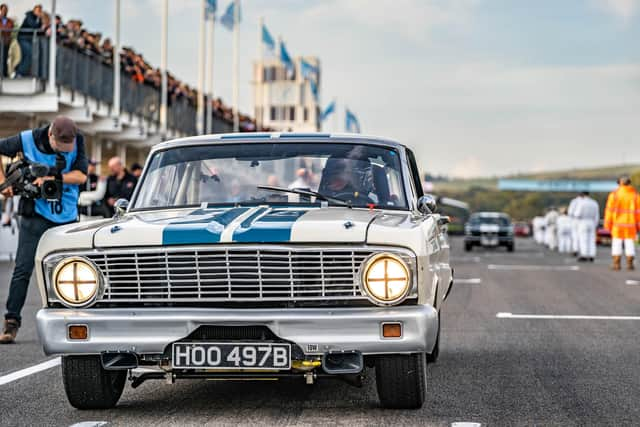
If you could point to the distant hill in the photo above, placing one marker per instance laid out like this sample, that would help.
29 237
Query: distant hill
601 173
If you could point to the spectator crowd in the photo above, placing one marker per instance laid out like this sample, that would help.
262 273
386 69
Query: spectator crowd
16 51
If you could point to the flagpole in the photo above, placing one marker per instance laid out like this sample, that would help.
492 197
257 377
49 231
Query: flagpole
51 83
260 77
201 54
209 107
116 62
163 68
236 66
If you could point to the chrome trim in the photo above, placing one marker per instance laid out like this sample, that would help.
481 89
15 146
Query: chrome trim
314 330
172 271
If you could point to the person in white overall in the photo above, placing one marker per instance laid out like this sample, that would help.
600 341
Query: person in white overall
551 235
588 216
571 211
564 224
538 229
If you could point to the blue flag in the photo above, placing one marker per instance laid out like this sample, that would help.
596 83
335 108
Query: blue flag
309 72
228 19
328 111
267 39
351 122
314 89
286 59
210 9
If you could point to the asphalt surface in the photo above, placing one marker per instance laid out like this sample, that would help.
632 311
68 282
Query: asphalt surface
493 370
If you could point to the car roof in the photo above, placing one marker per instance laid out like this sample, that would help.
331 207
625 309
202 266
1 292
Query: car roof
490 215
262 137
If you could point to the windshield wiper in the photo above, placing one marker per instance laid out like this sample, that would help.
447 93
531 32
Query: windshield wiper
306 193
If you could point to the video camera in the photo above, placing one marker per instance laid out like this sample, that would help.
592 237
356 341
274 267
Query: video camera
21 174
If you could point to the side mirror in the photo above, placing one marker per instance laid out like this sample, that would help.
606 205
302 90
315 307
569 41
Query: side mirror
444 220
427 204
121 207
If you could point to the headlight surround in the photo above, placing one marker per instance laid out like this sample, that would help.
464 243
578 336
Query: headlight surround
76 281
385 278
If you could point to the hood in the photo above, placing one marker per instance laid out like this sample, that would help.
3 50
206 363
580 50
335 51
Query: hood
259 224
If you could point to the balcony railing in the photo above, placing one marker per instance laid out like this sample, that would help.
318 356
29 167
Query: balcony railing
87 75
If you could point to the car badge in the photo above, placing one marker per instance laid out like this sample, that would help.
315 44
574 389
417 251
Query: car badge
348 224
115 229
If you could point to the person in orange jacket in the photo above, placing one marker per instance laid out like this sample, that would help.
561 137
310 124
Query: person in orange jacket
622 219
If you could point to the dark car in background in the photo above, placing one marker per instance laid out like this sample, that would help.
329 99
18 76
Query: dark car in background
489 230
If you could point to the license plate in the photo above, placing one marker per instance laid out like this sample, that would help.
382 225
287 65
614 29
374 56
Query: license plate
487 241
231 356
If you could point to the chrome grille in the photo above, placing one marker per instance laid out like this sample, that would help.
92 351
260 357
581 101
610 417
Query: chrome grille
231 274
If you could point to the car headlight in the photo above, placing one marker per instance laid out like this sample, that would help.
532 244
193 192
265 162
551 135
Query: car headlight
77 281
386 279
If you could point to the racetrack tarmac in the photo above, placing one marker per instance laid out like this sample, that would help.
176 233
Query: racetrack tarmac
530 337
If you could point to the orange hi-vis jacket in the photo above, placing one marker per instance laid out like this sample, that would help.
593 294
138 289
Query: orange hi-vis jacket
622 215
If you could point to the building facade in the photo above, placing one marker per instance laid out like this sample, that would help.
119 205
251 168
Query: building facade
284 100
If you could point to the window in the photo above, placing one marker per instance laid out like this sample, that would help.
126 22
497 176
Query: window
228 174
292 114
272 114
269 74
306 114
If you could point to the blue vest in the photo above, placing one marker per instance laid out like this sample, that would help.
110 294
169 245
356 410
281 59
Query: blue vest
65 210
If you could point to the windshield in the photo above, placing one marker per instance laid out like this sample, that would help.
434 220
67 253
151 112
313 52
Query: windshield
498 220
229 174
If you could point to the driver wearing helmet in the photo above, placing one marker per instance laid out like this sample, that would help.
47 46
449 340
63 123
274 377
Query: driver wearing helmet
347 179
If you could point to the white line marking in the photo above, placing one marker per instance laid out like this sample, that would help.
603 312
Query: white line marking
633 282
473 281
467 259
504 315
509 267
90 424
465 424
51 363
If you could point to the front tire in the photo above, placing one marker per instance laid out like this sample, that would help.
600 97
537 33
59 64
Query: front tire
88 385
468 247
401 381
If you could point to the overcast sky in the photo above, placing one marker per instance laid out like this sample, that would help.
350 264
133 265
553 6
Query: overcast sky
475 87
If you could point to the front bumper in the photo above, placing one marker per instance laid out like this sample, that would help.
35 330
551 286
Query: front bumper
314 330
477 240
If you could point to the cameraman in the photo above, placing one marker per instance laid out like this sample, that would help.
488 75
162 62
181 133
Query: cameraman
60 147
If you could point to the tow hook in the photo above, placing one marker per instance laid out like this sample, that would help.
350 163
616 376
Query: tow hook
309 378
170 378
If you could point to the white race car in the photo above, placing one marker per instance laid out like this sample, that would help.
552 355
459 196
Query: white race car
252 256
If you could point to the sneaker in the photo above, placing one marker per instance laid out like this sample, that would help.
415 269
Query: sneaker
10 331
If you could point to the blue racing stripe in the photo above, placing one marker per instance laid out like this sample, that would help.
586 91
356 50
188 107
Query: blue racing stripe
202 228
274 227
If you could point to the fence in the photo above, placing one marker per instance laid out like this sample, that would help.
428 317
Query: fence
86 74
